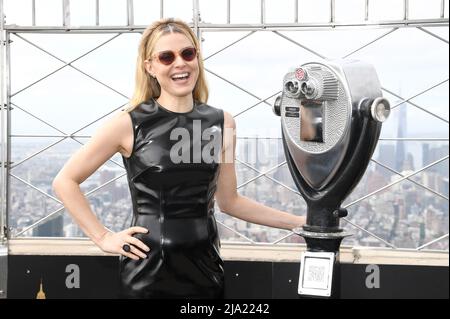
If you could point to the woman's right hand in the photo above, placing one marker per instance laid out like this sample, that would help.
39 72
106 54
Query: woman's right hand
113 243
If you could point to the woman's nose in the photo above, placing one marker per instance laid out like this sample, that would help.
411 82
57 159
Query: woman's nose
179 61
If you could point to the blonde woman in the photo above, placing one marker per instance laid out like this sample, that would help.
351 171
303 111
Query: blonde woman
172 248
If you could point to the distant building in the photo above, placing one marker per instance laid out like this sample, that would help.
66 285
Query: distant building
387 157
402 128
51 228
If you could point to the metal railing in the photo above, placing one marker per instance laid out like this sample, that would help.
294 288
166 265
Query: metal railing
198 24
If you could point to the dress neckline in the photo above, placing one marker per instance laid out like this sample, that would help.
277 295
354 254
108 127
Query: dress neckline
169 111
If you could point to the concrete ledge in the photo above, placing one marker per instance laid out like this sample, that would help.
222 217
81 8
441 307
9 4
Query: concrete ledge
243 252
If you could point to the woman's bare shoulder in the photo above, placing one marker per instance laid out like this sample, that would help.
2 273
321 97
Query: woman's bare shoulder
123 124
122 119
228 120
118 130
108 139
117 124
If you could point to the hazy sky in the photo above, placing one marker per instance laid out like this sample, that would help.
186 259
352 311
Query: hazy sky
407 61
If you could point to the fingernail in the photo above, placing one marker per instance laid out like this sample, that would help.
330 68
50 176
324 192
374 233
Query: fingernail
148 231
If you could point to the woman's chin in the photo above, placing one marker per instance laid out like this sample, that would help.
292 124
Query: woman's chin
182 93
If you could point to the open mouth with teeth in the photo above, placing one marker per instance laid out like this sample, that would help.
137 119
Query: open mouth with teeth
181 77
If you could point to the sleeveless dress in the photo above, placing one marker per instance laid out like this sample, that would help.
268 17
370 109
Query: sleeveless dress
173 197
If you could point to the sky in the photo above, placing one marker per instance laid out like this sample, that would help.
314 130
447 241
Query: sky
407 60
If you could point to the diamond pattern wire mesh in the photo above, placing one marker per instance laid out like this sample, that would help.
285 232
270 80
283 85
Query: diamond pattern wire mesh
403 100
265 173
64 135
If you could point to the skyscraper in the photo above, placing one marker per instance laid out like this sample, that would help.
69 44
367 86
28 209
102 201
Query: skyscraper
400 155
51 228
387 156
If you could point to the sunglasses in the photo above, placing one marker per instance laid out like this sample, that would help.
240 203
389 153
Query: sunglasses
167 57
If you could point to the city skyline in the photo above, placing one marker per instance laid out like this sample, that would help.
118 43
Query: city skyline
416 215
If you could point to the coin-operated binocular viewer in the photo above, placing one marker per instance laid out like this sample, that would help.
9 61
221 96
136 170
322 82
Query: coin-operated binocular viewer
331 115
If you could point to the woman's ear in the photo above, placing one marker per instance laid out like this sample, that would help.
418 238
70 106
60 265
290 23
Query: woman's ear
148 67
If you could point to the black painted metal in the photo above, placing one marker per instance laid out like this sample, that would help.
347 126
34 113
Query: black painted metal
321 231
254 280
323 204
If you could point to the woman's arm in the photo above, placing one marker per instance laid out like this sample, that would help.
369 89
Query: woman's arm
108 140
242 207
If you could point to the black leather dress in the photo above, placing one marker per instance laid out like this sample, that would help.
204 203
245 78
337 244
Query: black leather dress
175 201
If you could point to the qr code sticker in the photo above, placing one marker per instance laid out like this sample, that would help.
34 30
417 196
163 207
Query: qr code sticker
316 274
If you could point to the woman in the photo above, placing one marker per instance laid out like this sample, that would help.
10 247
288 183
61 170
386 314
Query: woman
172 250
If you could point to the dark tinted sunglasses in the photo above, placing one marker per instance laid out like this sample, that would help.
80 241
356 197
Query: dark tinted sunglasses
167 57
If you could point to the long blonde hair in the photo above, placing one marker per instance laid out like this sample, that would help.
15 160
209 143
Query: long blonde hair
146 86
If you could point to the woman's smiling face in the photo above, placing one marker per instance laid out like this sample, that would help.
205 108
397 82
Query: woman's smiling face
174 42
